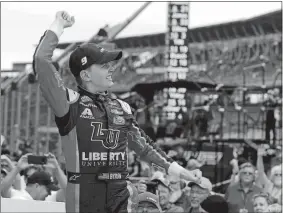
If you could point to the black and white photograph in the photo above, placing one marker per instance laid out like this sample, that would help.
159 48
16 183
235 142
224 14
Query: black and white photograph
141 107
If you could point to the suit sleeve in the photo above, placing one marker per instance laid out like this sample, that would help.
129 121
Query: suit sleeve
50 81
152 143
147 151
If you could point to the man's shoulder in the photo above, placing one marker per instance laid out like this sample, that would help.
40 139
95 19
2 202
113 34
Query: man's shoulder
20 195
256 188
233 186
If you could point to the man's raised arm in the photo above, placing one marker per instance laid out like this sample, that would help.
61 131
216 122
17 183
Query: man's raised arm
50 81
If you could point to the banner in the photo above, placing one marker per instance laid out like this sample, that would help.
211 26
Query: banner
13 205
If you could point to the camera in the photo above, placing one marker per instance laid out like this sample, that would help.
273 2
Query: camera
152 187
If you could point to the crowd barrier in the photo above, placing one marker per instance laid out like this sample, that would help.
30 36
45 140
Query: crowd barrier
12 205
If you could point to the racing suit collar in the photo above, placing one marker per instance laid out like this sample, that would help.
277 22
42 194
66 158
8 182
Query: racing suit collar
96 95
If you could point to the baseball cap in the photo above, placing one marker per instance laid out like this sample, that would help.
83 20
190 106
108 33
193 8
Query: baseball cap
88 54
149 197
163 181
215 204
42 178
204 183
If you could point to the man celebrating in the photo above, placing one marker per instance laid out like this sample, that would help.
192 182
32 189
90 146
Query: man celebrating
96 130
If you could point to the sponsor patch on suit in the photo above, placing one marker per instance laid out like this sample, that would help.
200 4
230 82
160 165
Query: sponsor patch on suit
85 99
116 112
113 103
119 120
87 114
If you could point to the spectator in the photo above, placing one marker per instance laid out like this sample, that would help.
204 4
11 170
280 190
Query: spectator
142 186
35 190
179 156
148 202
272 186
215 204
145 169
277 157
39 186
4 173
54 169
27 173
261 202
7 189
239 195
178 196
134 166
164 193
194 164
270 121
275 208
198 193
7 165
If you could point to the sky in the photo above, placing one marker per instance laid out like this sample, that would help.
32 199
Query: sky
23 23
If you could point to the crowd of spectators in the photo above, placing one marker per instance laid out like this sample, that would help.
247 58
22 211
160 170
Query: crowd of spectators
251 189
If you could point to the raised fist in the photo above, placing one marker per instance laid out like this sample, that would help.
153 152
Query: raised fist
65 19
261 151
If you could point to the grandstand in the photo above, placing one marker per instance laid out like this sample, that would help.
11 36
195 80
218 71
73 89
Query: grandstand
223 50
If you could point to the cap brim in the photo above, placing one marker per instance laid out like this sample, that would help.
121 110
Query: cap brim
162 182
190 184
111 56
148 201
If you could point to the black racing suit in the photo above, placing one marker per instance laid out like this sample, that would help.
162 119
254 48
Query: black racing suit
96 132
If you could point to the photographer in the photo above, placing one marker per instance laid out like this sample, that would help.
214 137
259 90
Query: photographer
8 166
39 185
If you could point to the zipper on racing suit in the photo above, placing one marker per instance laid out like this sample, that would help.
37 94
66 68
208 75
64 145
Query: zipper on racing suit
101 100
